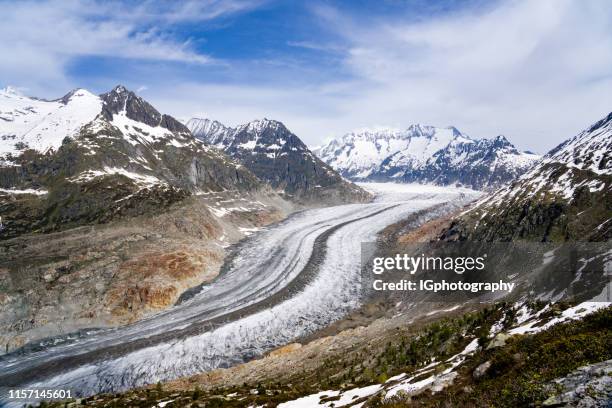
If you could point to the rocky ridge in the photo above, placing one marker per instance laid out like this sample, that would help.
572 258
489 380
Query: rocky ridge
565 197
127 159
274 154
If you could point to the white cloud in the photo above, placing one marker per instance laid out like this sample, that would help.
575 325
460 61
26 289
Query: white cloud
41 39
536 71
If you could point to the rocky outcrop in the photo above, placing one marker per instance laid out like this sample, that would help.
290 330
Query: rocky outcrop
276 155
588 386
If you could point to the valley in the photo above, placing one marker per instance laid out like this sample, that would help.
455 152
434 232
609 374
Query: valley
311 276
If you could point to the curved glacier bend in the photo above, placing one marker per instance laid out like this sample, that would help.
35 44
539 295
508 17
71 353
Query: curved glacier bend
184 340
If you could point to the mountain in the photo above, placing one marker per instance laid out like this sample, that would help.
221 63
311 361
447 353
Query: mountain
88 158
276 155
211 131
110 211
564 197
426 154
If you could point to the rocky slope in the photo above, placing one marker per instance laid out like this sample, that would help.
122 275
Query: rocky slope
565 197
110 210
472 359
88 159
426 154
274 154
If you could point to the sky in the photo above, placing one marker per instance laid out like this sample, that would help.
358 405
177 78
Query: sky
536 71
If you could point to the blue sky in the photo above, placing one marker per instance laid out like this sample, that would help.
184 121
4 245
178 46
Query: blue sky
536 71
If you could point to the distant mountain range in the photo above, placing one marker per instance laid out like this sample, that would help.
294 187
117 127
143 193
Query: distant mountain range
426 154
564 197
276 155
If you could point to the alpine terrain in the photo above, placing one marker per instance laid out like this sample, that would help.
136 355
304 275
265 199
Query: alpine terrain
565 197
86 159
274 154
109 211
426 154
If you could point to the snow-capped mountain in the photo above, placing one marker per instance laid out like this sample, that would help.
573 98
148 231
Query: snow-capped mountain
211 131
360 154
565 196
88 158
426 154
276 155
28 123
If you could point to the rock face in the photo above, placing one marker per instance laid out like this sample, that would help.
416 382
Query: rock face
88 159
588 386
119 272
426 154
210 131
565 197
274 154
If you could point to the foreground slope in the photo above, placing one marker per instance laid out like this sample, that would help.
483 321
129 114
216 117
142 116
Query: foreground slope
565 197
276 155
426 154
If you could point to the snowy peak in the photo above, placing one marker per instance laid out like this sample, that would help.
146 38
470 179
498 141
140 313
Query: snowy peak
589 150
274 154
423 153
75 94
360 154
41 125
122 101
209 131
262 135
257 127
266 136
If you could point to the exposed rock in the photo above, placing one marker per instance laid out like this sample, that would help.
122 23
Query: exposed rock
481 369
289 348
117 273
127 161
426 154
588 386
498 341
565 197
276 155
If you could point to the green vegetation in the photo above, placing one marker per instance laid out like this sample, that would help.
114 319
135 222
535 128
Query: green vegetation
519 374
521 371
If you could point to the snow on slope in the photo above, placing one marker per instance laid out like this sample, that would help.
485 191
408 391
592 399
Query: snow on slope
438 374
558 171
360 153
210 131
589 150
426 154
42 125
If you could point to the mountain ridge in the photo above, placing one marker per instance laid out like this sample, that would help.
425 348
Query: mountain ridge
90 159
275 154
565 196
426 154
